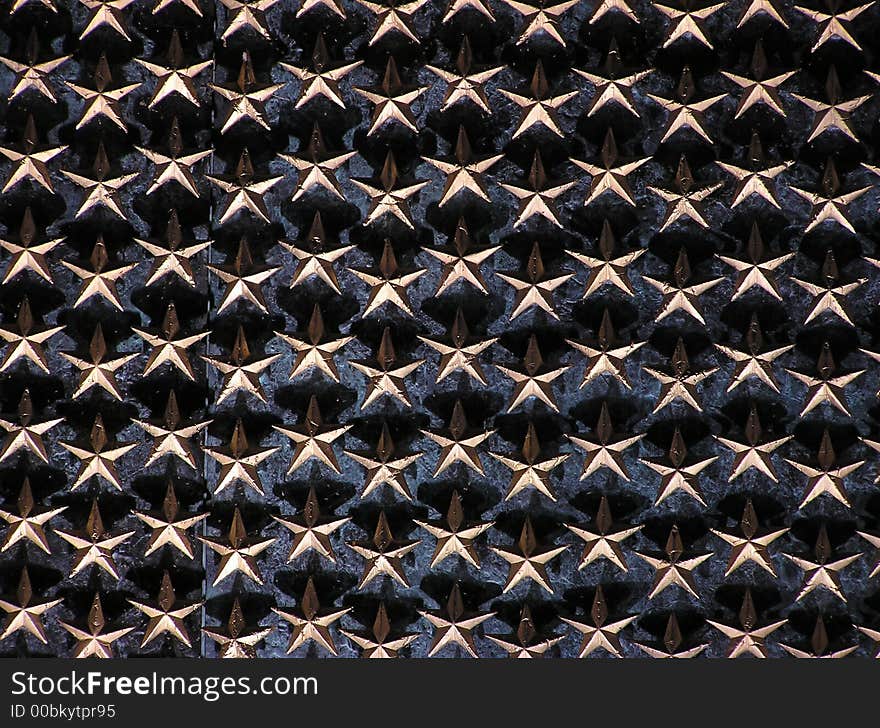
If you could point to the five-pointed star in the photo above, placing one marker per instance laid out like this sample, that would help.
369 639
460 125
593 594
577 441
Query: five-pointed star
167 346
826 387
687 22
678 475
822 573
100 280
312 623
535 289
388 198
100 192
613 8
171 256
537 196
529 472
457 536
382 554
27 525
819 644
391 100
600 541
528 644
460 356
169 438
684 113
26 255
99 458
390 285
758 8
175 78
681 295
244 193
102 102
750 546
605 357
240 370
753 453
530 383
246 15
314 257
672 641
316 167
756 272
757 178
106 13
393 17
238 462
454 7
192 5
459 448
834 24
23 342
684 201
313 351
464 173
759 90
168 526
541 17
832 115
454 625
313 439
174 168
98 370
165 615
673 570
607 269
682 383
539 108
528 560
748 638
320 81
95 642
28 162
832 295
246 100
378 642
239 553
465 84
25 435
599 634
386 378
310 531
236 641
93 546
462 265
611 175
613 87
31 75
753 362
875 542
22 614
829 203
331 6
383 468
604 452
829 477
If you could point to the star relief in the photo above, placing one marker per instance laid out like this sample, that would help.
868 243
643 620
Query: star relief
764 9
312 623
462 263
243 279
461 355
526 642
536 289
100 190
528 560
24 342
101 280
606 451
169 525
753 363
191 5
835 24
687 22
460 447
387 378
454 625
681 294
531 383
753 545
761 90
822 573
481 7
455 535
606 355
171 257
875 542
612 87
832 295
24 615
246 15
679 475
602 540
236 641
826 387
174 77
610 177
166 614
392 100
388 197
26 254
313 439
379 642
102 102
756 180
465 85
98 457
174 167
25 524
607 269
538 110
819 644
167 346
753 453
316 168
94 641
106 14
673 570
537 195
382 554
238 552
829 204
241 371
615 9
672 642
321 80
32 74
311 531
684 201
757 271
315 257
170 435
683 112
238 461
244 192
530 471
681 383
393 18
464 174
25 435
829 477
832 115
93 545
383 468
599 633
541 18
313 351
748 638
333 7
29 163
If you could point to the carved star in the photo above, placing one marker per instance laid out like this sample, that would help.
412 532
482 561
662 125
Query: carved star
756 272
174 168
393 17
166 614
683 113
748 638
392 100
321 81
605 357
464 173
378 643
541 17
25 255
750 546
605 452
246 99
834 24
601 541
459 448
316 167
382 554
29 163
171 257
454 625
833 294
25 435
530 383
388 198
829 203
539 108
390 285
315 258
311 531
246 15
537 197
313 623
679 475
528 644
239 552
753 363
673 570
528 560
99 459
26 525
24 342
759 89
175 78
236 641
829 477
610 176
168 347
31 75
23 615
832 115
384 468
462 265
535 289
313 439
756 179
826 387
530 472
681 295
238 461
460 356
465 84
244 193
819 644
753 453
102 102
241 371
386 378
822 573
311 352
687 22
95 642
168 526
100 192
684 202
607 269
599 634
672 642
169 437
456 536
93 546
613 87
681 383
100 280
106 13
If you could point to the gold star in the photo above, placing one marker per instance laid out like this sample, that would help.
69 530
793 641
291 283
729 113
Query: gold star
833 115
604 453
607 269
673 570
613 8
681 383
752 362
759 8
246 100
757 179
601 542
750 546
536 199
528 644
313 623
236 642
26 525
465 84
239 553
458 448
169 438
393 17
93 545
238 462
462 265
834 25
755 272
106 13
31 75
246 15
748 638
753 453
829 204
529 383
687 22
323 81
384 468
382 554
168 347
391 100
26 256
535 289
464 173
313 258
528 560
680 296
171 257
387 379
30 163
454 625
311 353
192 5
672 641
826 387
461 356
175 78
601 634
759 90
100 280
100 192
23 342
102 102
530 472
313 439
684 201
163 616
316 167
378 644
683 113
311 531
330 6
613 87
457 536
98 460
821 573
819 643
46 4
679 476
832 295
541 17
875 542
244 192
95 642
829 477
169 526
539 108
454 7
23 615
175 168
388 198
25 435
241 371
607 358
610 176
